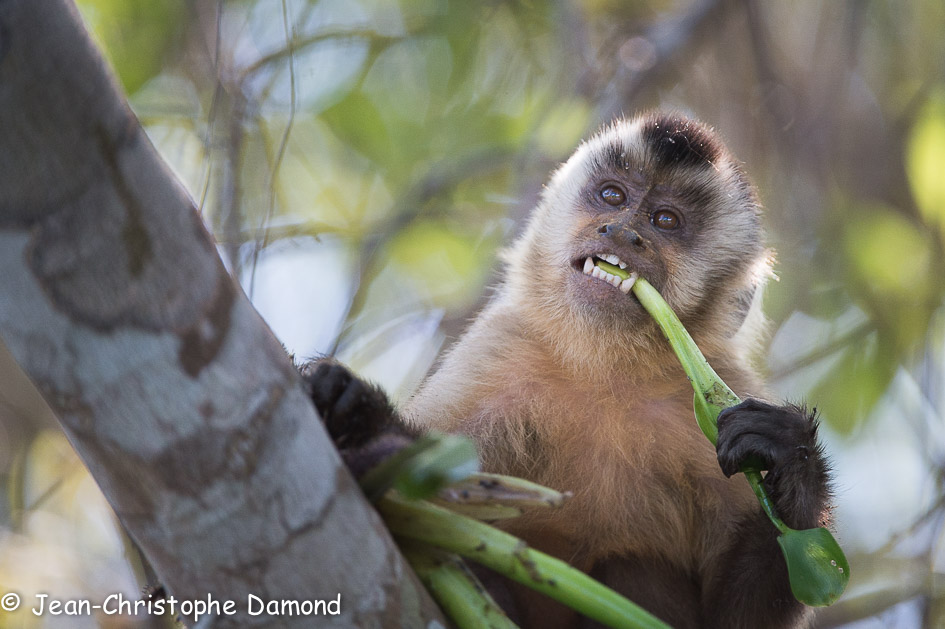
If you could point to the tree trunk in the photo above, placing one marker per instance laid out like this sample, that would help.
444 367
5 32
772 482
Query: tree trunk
168 384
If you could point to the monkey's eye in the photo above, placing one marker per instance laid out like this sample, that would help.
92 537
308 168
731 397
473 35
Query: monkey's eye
664 219
612 195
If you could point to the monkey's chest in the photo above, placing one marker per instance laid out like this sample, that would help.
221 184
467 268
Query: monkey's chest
644 479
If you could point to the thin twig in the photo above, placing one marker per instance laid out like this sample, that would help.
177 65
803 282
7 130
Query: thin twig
824 351
231 216
295 45
934 510
415 200
264 92
211 113
280 154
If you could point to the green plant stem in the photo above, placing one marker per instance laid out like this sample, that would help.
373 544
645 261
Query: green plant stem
510 556
485 488
457 590
698 370
755 480
424 467
817 568
712 394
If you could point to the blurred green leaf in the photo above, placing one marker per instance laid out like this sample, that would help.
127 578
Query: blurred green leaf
563 128
925 161
424 467
462 30
445 263
851 389
889 268
358 122
135 35
890 253
450 459
894 275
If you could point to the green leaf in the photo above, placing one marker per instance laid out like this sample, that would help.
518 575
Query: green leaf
358 123
817 567
706 417
451 458
424 467
136 35
445 262
925 161
868 363
880 234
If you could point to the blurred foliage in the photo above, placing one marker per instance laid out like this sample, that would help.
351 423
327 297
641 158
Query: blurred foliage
925 160
128 28
362 161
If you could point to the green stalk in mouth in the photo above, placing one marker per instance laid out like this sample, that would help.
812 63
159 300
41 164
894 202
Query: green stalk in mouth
613 269
817 568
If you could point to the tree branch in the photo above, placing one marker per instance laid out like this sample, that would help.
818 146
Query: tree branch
168 384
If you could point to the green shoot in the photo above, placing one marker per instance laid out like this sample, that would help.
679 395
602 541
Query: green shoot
817 567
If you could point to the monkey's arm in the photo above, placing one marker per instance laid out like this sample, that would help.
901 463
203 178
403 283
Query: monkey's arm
750 586
366 429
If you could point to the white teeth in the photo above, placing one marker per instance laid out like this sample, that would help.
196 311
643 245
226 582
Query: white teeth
612 259
627 284
595 271
601 274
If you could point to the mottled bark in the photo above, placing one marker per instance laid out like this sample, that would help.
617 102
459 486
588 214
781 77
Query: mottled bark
168 384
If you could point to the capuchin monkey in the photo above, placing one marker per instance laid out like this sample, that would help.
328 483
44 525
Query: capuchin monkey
564 379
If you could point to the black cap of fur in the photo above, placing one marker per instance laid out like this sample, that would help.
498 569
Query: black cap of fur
674 140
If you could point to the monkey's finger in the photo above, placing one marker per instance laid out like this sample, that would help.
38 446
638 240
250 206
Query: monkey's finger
328 380
746 448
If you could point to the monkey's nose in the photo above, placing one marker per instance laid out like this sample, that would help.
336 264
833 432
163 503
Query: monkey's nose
621 233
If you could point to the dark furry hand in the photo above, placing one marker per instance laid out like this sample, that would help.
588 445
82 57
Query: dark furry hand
783 441
353 410
358 415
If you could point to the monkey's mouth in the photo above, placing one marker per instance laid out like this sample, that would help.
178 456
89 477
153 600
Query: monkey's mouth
613 271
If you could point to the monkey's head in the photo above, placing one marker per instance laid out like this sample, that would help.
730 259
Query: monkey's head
660 195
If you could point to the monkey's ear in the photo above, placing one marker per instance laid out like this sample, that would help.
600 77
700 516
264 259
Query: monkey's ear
744 300
747 320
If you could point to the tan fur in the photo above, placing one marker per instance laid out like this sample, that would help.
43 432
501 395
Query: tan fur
559 392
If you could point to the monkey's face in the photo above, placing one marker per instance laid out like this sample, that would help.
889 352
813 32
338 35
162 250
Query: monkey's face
661 196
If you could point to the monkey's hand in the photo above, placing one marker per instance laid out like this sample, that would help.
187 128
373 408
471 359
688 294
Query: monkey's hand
783 441
751 572
358 415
